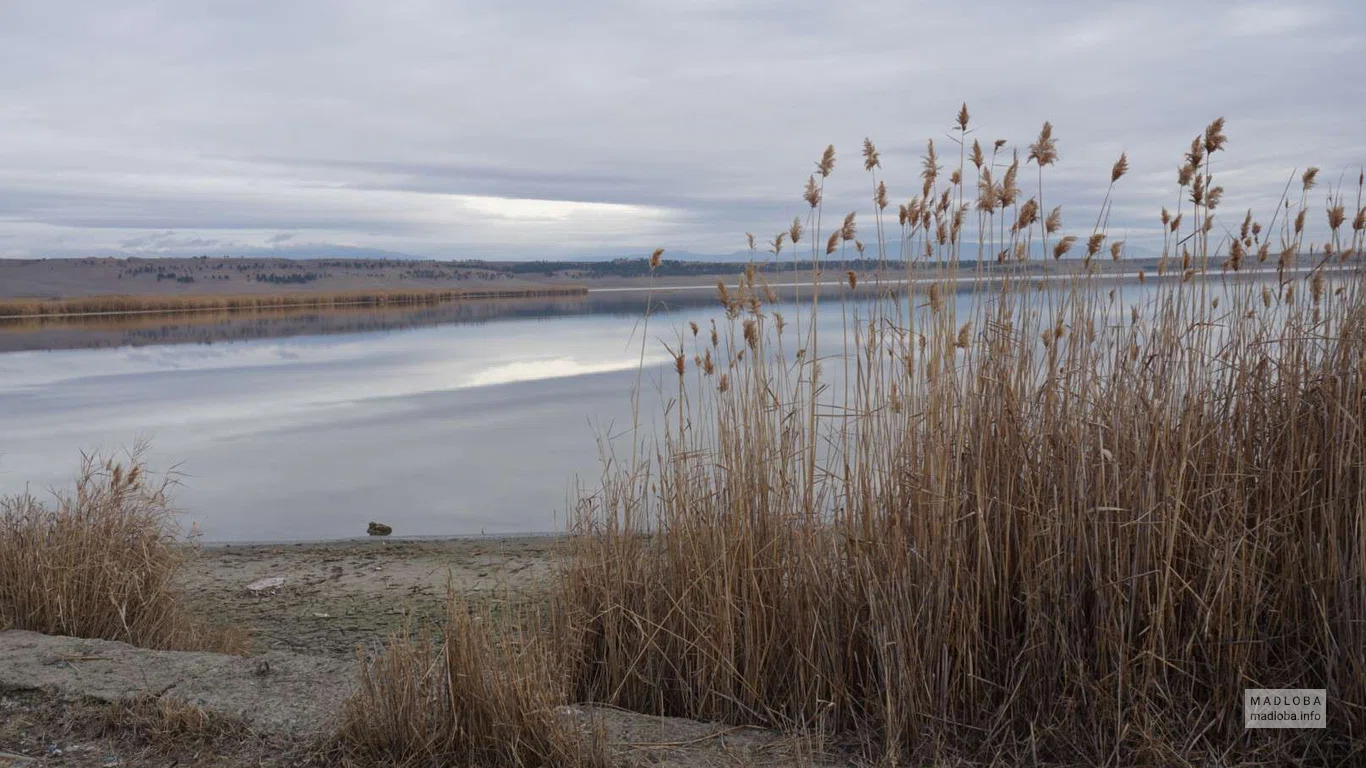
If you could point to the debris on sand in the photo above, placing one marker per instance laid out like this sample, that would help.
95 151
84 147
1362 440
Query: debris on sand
262 585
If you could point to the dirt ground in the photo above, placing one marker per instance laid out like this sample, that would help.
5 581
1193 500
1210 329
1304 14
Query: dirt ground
341 596
40 731
336 598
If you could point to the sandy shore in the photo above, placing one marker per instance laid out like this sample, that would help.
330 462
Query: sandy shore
73 703
340 595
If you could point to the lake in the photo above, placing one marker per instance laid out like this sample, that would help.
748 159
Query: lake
467 419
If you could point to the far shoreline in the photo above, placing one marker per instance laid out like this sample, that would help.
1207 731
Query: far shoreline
523 300
119 305
72 289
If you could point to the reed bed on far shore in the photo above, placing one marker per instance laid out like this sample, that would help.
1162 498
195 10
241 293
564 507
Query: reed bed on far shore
120 304
1038 527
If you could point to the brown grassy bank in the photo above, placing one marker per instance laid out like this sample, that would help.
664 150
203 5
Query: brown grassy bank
1040 527
100 562
118 304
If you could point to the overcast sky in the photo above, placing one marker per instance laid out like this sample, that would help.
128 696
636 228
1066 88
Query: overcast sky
548 129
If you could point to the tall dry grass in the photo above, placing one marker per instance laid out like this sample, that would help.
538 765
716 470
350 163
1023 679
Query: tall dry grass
469 696
101 563
115 304
1049 526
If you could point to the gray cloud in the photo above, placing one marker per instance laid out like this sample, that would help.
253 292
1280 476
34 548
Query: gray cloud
169 241
549 129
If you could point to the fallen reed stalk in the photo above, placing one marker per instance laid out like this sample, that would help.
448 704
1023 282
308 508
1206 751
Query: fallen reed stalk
1051 526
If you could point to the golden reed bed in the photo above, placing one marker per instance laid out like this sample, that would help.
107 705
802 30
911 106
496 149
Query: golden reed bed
118 304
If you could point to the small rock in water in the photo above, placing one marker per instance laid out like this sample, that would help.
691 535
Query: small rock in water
379 529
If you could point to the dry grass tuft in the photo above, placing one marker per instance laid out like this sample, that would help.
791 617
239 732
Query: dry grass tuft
468 697
169 723
101 563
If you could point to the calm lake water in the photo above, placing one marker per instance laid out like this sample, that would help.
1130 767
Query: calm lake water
461 420
480 422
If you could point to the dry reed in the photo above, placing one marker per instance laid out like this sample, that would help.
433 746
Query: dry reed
167 723
114 304
101 563
468 697
1012 527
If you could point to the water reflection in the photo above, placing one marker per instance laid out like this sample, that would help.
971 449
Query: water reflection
437 430
26 334
312 424
98 332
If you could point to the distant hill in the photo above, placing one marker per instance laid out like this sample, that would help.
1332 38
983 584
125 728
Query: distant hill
319 251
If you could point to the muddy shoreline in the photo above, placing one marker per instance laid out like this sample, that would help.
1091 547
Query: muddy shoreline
339 597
